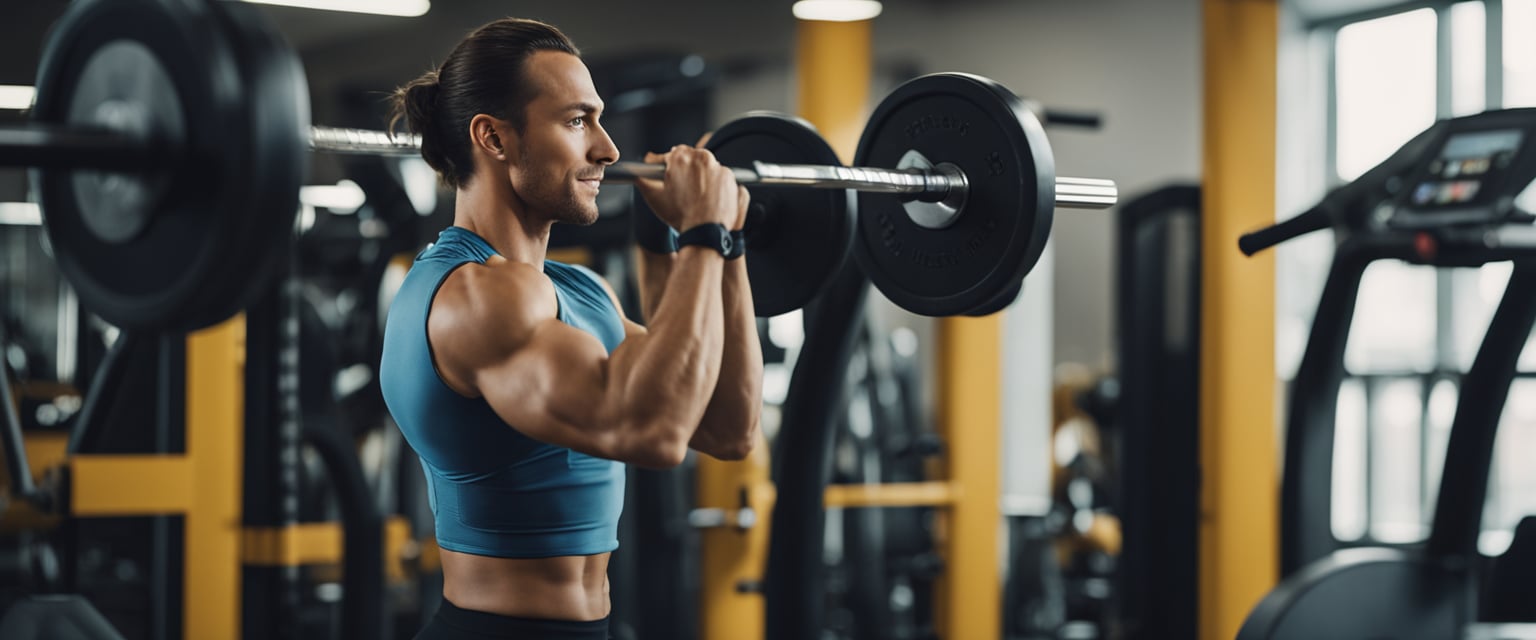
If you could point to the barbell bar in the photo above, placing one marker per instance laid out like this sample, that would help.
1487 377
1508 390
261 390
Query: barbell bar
78 147
928 185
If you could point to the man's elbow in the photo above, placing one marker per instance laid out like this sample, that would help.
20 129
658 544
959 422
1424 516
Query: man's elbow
734 451
656 446
662 455
739 445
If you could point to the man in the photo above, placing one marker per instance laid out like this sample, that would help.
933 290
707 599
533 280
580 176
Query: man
517 380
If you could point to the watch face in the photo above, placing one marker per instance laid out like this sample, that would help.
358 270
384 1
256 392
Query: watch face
738 244
713 236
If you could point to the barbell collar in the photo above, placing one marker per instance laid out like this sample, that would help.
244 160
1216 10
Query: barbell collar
1086 193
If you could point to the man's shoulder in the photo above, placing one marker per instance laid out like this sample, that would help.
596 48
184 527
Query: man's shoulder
496 296
586 273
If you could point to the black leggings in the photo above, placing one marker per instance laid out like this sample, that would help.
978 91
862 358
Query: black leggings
453 623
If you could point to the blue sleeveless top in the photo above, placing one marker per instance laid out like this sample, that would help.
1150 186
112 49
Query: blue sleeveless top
493 490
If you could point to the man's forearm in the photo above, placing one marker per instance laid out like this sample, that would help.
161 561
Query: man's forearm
669 375
651 271
730 423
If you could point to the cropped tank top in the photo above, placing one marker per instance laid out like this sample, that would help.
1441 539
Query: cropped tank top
494 491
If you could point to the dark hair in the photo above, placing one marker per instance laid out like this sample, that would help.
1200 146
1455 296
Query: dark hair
473 80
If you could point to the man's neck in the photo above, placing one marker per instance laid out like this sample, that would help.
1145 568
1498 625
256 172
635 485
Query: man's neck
496 217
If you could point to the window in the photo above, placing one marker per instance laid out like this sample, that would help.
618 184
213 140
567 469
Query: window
1512 485
1395 325
1350 445
1519 53
1385 87
1468 52
1396 409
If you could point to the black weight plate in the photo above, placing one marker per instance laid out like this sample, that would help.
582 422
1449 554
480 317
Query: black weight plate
797 238
984 129
999 303
124 86
182 249
267 179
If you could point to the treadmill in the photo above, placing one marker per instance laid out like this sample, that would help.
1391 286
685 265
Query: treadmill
1447 198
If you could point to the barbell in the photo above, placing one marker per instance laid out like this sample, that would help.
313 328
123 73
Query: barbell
169 139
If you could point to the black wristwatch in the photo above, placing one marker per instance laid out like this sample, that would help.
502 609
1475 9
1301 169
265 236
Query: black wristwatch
730 244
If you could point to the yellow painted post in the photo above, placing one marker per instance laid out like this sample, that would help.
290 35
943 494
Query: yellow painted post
970 365
832 64
734 555
1239 552
890 494
215 434
104 485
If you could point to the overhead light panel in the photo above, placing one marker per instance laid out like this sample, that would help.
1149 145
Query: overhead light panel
15 96
404 8
24 214
837 10
344 197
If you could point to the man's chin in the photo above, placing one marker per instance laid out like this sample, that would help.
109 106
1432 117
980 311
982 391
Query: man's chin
581 217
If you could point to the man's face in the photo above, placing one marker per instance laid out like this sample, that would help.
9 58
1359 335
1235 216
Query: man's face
562 150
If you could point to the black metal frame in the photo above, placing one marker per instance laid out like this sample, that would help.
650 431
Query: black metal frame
795 587
1156 419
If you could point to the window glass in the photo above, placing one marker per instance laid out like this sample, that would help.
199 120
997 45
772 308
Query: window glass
1349 442
1385 86
1397 414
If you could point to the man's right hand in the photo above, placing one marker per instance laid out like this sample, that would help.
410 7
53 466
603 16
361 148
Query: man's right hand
695 191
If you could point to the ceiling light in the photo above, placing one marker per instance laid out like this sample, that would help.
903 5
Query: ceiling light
343 198
406 8
837 10
15 96
24 214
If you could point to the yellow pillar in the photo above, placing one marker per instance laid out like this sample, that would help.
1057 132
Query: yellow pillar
970 594
1239 550
736 554
215 436
832 63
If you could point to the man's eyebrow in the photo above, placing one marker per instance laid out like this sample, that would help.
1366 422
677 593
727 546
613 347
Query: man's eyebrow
583 107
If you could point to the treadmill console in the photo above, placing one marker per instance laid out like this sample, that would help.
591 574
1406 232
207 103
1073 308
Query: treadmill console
1473 173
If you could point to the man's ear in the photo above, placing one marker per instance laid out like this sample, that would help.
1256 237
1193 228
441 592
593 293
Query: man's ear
492 136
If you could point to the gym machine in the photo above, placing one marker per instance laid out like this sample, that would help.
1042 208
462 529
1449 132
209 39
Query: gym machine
1447 198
